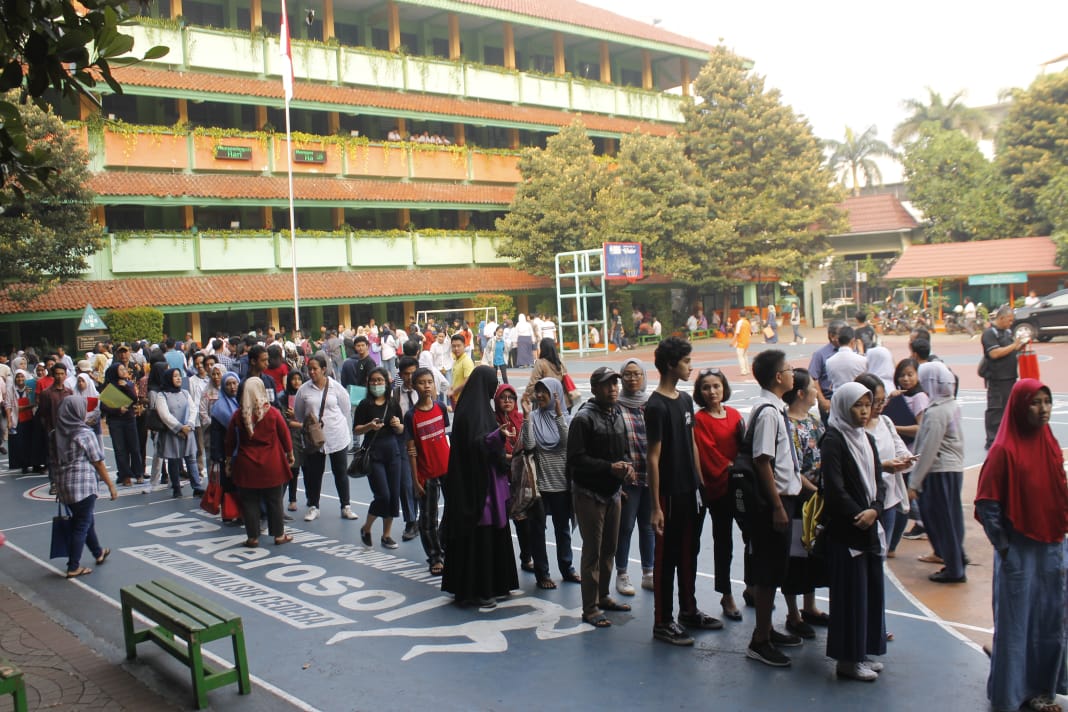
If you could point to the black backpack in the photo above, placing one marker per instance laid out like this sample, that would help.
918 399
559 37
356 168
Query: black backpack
745 488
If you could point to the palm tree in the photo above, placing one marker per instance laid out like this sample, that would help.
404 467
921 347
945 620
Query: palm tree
855 155
951 116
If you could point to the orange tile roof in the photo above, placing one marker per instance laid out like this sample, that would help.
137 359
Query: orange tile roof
964 259
877 213
306 188
577 13
336 287
378 98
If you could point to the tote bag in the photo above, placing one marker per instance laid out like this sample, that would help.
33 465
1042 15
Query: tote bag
62 532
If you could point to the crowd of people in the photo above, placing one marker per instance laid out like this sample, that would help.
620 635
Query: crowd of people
876 442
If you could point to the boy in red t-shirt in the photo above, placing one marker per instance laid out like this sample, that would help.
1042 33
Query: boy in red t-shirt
428 452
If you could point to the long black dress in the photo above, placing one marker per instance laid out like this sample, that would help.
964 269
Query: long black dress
479 559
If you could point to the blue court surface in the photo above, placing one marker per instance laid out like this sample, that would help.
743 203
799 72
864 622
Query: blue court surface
332 625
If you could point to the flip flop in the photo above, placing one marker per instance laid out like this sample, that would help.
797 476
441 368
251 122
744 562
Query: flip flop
572 577
546 584
598 621
732 614
437 569
931 559
611 605
251 543
103 556
83 571
279 540
292 507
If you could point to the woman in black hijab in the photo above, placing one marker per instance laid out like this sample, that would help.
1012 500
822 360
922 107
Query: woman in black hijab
480 562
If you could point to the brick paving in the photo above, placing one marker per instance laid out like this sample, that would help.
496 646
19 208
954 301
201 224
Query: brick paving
60 671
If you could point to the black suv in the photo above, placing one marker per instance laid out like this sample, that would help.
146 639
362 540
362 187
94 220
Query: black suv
1044 320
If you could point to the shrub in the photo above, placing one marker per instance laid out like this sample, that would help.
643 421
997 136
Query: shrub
129 325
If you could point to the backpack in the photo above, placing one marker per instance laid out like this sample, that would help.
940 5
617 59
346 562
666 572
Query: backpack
746 490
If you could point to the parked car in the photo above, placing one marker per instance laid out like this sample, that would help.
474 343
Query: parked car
1044 320
837 303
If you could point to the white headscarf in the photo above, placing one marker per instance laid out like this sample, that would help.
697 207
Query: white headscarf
844 398
937 380
523 327
254 403
881 363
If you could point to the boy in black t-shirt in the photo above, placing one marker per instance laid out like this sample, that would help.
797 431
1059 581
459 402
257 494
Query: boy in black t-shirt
677 513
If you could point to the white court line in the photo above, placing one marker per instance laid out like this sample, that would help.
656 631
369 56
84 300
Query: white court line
276 691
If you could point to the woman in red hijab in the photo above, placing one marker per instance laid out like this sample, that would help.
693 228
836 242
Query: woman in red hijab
1022 502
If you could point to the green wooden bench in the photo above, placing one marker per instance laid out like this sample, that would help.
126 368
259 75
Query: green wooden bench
194 620
11 684
644 339
700 334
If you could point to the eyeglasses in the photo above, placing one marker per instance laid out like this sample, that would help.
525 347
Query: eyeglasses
786 370
507 396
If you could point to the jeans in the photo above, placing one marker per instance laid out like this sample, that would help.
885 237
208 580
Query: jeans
558 506
83 532
636 508
174 472
315 465
599 525
253 499
429 532
385 481
721 512
504 372
127 445
797 332
893 521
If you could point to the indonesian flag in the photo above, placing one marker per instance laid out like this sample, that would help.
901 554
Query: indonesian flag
286 52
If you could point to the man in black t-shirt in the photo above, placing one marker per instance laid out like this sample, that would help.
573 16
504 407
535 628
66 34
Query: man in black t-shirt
677 515
1000 350
864 333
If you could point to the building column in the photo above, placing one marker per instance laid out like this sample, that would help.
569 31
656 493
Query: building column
522 304
409 315
344 315
394 26
402 127
459 135
606 64
183 111
610 147
255 14
98 214
176 9
194 328
684 71
454 36
509 46
328 20
337 217
404 218
647 70
187 217
513 139
272 317
261 116
267 217
86 108
463 219
559 64
333 122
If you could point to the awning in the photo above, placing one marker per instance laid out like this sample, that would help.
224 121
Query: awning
960 260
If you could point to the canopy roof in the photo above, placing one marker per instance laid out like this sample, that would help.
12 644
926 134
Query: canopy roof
965 259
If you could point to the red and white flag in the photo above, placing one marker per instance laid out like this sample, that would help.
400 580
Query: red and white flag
286 51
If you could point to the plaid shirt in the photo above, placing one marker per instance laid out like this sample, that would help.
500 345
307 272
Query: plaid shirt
76 479
637 443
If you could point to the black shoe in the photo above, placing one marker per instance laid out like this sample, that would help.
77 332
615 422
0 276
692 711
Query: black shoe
410 532
943 577
176 494
700 620
389 543
801 629
52 490
3 450
365 537
198 493
917 532
767 653
784 640
672 633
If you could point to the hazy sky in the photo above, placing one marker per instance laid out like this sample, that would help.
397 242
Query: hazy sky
848 63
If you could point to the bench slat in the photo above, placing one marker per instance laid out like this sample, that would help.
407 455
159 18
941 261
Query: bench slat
187 595
206 616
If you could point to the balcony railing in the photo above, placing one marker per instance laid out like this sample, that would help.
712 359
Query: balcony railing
224 50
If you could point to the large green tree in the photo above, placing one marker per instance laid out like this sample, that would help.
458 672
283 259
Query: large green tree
53 44
46 235
555 206
768 185
961 193
1032 152
855 156
657 197
952 115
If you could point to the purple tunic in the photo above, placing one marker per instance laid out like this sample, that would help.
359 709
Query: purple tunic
495 512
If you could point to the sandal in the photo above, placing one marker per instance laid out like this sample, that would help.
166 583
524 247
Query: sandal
609 604
572 577
284 539
252 543
103 556
1043 704
598 621
292 507
437 569
82 571
527 565
546 584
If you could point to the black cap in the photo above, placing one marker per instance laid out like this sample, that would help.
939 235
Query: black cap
603 375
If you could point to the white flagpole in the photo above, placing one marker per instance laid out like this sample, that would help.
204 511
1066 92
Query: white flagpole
287 84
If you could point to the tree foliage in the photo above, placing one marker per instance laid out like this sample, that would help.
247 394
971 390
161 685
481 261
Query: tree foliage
936 112
771 197
855 156
60 45
961 193
1032 148
46 236
655 196
555 207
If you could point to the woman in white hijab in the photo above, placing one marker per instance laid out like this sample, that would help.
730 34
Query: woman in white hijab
524 338
854 544
938 475
881 363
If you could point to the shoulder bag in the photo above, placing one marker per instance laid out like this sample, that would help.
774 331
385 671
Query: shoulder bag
362 459
314 438
62 532
523 483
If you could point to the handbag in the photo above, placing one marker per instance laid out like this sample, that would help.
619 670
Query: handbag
230 509
523 485
211 502
768 332
314 437
62 532
362 459
153 422
573 395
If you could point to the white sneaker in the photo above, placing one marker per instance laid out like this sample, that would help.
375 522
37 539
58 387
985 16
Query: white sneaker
347 513
872 665
312 515
647 582
856 671
623 584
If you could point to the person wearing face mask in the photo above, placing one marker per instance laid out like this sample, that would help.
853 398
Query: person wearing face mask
378 418
853 491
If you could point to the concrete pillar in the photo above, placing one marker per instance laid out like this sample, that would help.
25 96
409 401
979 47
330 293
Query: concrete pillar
176 9
647 70
86 108
394 26
454 36
463 219
187 217
333 122
404 217
272 317
459 135
328 20
559 63
606 64
183 111
256 15
267 218
513 138
509 46
195 328
522 304
99 216
337 217
344 316
261 116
